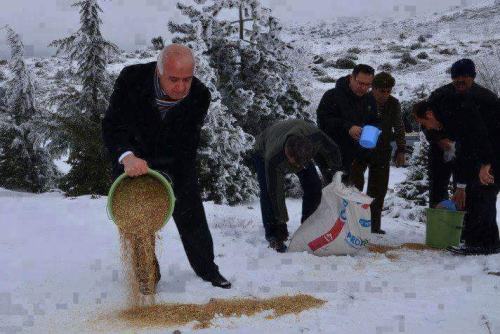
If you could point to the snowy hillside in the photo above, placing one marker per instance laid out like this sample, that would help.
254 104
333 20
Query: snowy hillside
418 51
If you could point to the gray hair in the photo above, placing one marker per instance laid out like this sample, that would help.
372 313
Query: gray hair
172 50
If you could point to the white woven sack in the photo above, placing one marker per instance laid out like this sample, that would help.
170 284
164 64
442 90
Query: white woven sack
340 225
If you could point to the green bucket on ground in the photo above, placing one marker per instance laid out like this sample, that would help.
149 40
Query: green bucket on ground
156 175
444 228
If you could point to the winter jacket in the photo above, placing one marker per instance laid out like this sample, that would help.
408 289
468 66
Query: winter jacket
133 123
391 124
338 111
270 145
472 121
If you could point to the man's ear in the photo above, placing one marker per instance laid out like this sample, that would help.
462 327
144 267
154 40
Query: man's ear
429 114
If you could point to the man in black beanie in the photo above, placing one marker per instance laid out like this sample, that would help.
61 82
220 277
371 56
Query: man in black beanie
447 98
464 96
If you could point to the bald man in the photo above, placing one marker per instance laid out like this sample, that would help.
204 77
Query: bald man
153 121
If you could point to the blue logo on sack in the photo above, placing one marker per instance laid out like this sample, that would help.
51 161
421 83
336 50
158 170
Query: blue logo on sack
342 213
354 241
365 222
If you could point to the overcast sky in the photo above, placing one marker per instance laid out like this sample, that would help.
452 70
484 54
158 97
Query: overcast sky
132 23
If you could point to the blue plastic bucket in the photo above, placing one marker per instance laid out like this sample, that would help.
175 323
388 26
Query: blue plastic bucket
447 205
369 136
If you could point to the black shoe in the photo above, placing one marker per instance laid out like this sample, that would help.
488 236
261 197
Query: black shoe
473 250
378 231
278 245
218 280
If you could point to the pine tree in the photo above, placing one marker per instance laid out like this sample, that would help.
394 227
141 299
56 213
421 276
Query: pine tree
415 188
25 163
80 110
224 177
255 78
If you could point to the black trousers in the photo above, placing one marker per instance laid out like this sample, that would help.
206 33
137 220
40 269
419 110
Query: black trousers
440 173
378 181
480 224
191 222
311 198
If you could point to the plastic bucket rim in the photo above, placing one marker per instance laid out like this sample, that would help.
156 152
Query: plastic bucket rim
454 212
156 175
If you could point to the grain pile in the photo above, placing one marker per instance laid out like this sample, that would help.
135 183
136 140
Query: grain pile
167 315
388 250
140 206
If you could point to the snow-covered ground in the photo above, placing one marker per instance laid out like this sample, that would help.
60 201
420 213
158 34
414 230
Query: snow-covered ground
60 268
60 272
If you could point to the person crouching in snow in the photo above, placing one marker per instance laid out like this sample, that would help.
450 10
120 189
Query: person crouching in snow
285 147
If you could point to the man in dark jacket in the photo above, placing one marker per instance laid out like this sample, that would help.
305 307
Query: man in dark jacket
476 160
154 120
289 147
378 160
449 99
345 109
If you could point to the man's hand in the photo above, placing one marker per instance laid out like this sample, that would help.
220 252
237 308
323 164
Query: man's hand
459 198
445 144
400 159
485 175
134 166
355 132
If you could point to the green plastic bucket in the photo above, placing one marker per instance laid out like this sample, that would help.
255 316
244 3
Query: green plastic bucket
444 228
153 173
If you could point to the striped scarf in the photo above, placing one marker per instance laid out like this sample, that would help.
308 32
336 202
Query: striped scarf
163 101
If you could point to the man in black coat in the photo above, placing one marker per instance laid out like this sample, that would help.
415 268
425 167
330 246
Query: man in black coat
345 109
477 156
154 120
449 99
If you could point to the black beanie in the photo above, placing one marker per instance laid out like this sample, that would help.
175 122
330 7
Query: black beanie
463 68
383 80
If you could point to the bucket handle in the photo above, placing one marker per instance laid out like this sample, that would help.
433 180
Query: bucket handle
169 179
